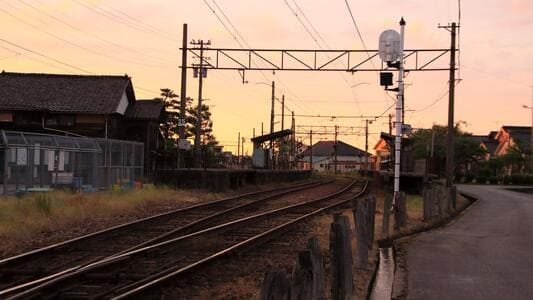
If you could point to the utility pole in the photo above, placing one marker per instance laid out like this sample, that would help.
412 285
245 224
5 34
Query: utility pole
200 69
311 148
282 112
242 152
335 148
272 110
451 98
390 124
367 121
293 141
253 133
239 149
183 94
262 129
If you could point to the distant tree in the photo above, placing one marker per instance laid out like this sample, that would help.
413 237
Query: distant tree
467 152
169 124
206 130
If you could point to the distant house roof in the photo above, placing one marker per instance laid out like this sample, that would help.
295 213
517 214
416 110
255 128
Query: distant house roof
521 134
89 94
145 110
325 148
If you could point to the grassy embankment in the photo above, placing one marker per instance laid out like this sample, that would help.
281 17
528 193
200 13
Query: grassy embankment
36 217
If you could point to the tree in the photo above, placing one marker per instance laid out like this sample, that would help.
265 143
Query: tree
206 130
169 124
467 152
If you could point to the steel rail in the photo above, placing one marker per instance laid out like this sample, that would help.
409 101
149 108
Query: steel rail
256 240
126 257
189 227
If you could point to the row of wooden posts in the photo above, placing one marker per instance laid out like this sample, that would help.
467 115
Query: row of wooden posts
307 279
438 200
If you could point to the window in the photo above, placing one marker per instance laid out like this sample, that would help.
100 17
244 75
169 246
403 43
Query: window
321 165
60 120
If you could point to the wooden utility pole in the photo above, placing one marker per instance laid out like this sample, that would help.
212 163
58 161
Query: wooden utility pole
293 141
239 149
282 112
183 94
242 152
367 121
201 70
451 100
311 148
335 148
390 124
272 110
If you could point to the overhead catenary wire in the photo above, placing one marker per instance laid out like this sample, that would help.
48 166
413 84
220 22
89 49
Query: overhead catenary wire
294 12
236 37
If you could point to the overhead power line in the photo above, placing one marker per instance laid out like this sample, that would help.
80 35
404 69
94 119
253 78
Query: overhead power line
73 43
114 17
46 56
236 37
92 34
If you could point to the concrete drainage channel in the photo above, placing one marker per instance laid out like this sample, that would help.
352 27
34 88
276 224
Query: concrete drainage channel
383 280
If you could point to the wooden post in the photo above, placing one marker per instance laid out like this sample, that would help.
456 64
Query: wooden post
275 285
386 215
341 259
308 274
361 232
371 201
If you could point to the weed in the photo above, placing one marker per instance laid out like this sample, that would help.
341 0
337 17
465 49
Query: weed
43 203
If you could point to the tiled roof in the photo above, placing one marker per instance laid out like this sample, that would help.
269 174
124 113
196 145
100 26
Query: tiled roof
63 93
325 148
145 109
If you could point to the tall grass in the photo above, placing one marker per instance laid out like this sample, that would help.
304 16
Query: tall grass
32 216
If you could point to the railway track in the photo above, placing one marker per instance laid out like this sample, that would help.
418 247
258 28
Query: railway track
142 270
26 270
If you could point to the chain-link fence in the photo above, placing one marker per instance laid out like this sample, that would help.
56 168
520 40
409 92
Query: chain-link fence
32 161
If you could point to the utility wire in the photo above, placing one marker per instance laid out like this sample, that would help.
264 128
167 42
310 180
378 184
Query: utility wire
114 17
242 38
294 12
91 34
46 56
169 34
72 43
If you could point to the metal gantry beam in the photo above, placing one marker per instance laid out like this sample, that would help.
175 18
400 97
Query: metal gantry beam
315 60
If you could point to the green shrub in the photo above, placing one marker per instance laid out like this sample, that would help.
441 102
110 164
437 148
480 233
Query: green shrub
43 203
493 179
481 179
469 177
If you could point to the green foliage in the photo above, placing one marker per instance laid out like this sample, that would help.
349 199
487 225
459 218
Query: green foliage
467 152
43 203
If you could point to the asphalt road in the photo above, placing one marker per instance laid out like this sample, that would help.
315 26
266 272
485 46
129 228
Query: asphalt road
486 254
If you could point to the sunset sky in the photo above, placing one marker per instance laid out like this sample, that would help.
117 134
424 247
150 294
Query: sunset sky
141 38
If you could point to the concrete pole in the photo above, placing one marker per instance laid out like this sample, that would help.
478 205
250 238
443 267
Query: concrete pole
450 143
183 93
197 140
